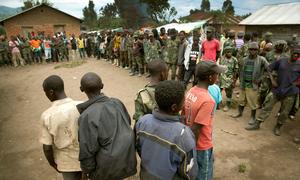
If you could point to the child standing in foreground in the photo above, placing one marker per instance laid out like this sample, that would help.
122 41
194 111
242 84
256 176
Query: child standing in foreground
165 145
199 110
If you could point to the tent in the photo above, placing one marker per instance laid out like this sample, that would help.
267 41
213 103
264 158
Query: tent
187 27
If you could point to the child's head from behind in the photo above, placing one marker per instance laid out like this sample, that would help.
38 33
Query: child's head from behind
158 68
169 96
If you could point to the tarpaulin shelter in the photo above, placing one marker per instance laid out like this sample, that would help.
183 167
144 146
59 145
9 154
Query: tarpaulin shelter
187 27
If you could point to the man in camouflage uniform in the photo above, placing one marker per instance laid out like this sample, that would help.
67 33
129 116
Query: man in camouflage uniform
230 42
129 46
4 60
138 54
26 51
227 78
62 48
108 46
252 70
243 52
170 53
284 90
146 46
153 48
145 99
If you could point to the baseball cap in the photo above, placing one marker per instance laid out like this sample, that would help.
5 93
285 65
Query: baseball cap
209 29
206 68
253 45
268 34
228 48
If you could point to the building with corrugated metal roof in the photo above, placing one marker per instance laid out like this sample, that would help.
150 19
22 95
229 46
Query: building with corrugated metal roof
283 20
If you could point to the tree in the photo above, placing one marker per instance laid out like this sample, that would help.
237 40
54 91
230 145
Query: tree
171 14
90 15
167 15
157 9
27 4
110 16
109 10
205 6
192 11
228 7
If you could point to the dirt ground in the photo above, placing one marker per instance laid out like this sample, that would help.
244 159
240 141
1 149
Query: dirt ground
260 154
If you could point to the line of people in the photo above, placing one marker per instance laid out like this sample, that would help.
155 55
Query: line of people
246 57
94 139
173 129
38 48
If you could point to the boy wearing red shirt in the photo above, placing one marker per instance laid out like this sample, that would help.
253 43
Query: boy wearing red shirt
198 111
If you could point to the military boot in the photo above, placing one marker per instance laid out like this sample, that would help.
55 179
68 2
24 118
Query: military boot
252 119
254 126
140 72
227 106
132 72
276 129
240 112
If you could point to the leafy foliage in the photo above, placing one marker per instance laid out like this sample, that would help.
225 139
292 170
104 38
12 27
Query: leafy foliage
244 16
27 4
111 22
157 8
192 11
205 6
90 15
109 10
227 7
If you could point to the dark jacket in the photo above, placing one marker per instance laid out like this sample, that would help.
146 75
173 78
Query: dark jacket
106 139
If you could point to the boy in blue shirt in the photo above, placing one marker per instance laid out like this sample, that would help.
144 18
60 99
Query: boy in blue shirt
165 145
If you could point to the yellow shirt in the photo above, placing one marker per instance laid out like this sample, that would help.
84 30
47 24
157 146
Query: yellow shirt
80 43
60 129
117 42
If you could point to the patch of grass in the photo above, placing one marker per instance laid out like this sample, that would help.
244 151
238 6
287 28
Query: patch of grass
242 168
70 64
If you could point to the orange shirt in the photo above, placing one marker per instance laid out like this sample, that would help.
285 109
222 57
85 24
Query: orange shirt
199 108
35 43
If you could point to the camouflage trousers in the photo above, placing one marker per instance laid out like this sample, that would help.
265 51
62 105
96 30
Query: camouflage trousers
130 58
286 106
173 68
124 58
138 62
28 57
4 59
63 53
264 90
229 92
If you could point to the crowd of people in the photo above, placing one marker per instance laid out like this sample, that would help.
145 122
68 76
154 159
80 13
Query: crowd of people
172 133
40 48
